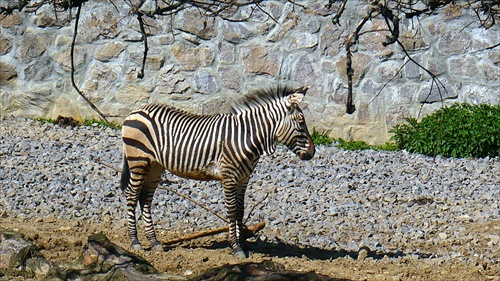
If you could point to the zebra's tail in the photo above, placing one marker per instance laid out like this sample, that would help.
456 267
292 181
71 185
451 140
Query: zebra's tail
125 175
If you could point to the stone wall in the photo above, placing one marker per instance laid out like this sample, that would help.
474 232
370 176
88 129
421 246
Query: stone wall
200 63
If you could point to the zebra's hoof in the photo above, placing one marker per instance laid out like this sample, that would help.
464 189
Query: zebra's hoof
157 248
239 253
136 247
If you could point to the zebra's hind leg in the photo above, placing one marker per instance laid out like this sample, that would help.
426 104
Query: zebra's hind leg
145 199
132 196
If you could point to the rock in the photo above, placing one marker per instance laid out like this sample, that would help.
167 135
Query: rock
19 257
100 256
363 253
266 270
14 250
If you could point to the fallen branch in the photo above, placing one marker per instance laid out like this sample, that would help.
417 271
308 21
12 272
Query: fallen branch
247 233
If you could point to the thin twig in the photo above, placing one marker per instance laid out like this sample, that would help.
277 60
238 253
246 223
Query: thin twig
254 206
97 160
195 202
336 17
145 40
73 66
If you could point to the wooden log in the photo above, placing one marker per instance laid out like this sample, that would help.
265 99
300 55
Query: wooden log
247 233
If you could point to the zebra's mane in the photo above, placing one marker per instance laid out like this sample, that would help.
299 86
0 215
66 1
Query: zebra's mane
261 97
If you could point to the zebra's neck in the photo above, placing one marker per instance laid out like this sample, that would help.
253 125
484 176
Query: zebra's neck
258 130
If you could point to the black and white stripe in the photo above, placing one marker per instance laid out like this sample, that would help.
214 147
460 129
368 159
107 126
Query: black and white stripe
223 147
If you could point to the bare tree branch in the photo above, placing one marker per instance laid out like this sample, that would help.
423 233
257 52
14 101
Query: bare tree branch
73 67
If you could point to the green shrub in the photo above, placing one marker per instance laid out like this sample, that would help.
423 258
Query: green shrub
325 139
65 121
101 123
321 138
353 145
462 130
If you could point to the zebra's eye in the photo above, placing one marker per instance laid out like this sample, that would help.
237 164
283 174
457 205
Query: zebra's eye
298 118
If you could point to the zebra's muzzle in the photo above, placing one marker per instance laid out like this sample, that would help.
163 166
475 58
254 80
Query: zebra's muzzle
309 153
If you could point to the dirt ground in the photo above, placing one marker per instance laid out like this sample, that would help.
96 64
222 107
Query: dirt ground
62 241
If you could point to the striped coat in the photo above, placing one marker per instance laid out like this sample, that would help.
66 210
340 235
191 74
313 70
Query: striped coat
223 147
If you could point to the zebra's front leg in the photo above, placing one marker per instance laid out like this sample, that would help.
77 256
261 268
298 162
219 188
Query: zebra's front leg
235 197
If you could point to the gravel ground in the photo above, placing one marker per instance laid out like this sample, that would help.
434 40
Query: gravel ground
394 203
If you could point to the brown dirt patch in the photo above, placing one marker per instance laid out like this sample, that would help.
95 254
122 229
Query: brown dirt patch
62 241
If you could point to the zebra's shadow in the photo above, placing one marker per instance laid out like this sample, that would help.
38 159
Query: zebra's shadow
281 249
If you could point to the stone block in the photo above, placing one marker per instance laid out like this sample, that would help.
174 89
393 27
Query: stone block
45 16
403 94
205 82
360 63
307 73
374 34
39 70
452 11
395 116
63 58
301 40
388 70
66 106
260 59
412 70
133 94
102 20
100 79
454 42
491 72
108 51
289 20
7 72
435 92
216 105
196 22
436 67
32 45
330 42
231 77
171 82
227 52
463 67
11 20
192 58
237 32
5 45
363 113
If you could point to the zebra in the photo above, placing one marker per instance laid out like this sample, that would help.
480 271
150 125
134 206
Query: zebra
224 147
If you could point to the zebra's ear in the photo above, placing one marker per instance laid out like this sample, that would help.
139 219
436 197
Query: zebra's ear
296 97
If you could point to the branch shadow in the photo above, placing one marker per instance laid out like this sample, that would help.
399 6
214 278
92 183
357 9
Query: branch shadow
281 249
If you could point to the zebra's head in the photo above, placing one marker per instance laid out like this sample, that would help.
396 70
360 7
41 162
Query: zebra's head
293 131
